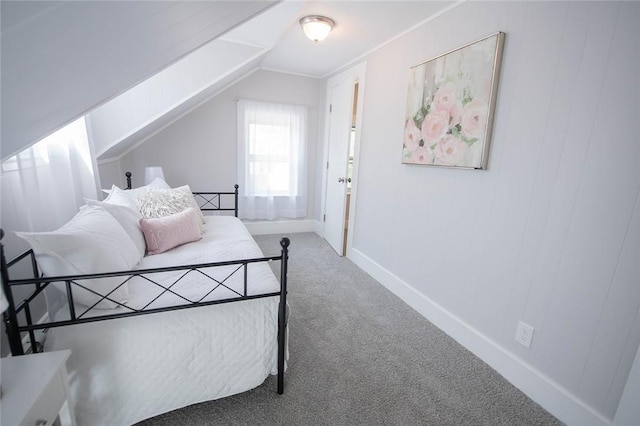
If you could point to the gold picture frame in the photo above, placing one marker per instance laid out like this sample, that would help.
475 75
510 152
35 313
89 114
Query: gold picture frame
450 106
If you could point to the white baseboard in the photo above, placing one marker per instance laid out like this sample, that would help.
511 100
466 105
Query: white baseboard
280 226
540 388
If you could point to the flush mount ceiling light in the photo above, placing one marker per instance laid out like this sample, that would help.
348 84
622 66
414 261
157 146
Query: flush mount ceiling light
316 27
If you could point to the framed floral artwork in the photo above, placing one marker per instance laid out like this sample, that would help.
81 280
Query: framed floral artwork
450 105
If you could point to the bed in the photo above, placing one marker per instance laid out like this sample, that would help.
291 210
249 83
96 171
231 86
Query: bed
200 321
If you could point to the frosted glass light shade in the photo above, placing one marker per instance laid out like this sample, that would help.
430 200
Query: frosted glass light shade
316 27
150 173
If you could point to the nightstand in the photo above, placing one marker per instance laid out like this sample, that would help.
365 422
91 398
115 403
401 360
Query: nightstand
35 390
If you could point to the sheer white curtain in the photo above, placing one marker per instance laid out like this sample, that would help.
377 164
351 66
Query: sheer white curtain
272 140
44 185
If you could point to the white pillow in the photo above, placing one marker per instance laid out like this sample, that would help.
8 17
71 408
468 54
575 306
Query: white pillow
128 218
164 202
121 197
194 203
91 242
127 197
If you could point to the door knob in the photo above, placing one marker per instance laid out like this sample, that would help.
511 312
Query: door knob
341 180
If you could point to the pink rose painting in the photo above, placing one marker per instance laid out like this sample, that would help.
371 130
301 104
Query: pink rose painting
474 119
452 125
412 136
435 126
450 151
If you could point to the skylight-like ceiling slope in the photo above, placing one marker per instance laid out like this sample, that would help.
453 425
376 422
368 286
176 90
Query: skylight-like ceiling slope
61 59
126 120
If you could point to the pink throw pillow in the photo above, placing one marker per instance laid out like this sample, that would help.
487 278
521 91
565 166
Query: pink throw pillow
164 233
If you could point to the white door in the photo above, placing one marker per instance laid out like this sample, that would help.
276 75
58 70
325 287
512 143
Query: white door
340 119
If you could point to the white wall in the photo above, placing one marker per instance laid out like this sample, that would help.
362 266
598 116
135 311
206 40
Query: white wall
628 412
550 233
200 149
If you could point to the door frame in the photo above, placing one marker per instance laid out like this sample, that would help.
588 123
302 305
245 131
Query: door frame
355 73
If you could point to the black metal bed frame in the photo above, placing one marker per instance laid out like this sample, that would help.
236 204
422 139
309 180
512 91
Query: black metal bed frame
212 202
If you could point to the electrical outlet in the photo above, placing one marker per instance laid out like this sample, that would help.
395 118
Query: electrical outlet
524 334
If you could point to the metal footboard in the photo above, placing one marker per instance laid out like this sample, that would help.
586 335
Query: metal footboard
16 327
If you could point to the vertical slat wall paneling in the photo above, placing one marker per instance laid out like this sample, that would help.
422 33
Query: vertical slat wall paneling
551 333
516 173
524 302
452 213
617 338
549 233
407 267
610 190
482 214
577 294
545 226
412 266
622 374
464 211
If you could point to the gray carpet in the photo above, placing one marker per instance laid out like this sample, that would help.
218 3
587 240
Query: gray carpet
361 356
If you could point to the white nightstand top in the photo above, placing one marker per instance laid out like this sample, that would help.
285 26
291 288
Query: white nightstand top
23 379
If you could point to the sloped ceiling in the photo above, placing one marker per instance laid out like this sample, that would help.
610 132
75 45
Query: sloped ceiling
63 59
192 80
361 26
129 119
60 59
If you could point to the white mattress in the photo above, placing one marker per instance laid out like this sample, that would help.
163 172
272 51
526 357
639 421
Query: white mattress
125 370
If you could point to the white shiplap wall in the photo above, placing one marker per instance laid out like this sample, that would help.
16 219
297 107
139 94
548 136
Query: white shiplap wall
550 234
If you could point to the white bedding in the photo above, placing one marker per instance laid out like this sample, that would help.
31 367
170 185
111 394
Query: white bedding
125 370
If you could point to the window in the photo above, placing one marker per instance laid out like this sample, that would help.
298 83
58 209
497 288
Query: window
271 159
271 168
43 186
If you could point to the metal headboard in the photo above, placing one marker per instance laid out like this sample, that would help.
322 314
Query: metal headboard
207 201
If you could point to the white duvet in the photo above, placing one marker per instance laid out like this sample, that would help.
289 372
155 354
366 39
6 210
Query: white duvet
126 370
